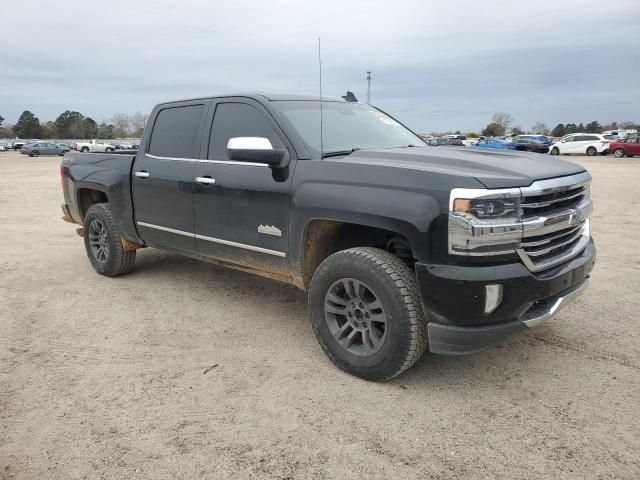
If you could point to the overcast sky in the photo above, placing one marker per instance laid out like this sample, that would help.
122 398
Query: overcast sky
436 65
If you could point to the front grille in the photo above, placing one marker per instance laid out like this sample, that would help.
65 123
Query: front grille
555 216
543 247
546 203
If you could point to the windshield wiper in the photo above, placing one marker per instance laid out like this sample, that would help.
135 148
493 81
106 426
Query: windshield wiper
339 153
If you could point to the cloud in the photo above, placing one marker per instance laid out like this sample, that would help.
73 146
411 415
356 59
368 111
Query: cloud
436 66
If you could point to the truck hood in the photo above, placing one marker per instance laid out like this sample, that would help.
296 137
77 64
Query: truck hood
493 168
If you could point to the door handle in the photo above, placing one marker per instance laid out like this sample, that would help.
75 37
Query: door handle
142 174
206 180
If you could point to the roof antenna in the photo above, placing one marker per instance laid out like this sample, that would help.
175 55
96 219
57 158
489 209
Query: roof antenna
320 68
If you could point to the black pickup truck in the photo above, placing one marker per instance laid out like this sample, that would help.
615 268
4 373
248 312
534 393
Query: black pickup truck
402 247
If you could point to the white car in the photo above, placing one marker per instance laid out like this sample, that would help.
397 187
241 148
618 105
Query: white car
3 147
581 144
94 146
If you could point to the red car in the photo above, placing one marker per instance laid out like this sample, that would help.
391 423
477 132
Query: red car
629 146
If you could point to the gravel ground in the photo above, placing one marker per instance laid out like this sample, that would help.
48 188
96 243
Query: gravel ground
186 370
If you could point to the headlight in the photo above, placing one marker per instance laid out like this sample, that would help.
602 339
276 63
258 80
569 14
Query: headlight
484 222
487 207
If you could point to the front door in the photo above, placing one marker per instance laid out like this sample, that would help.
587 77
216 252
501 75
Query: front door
242 208
163 176
633 145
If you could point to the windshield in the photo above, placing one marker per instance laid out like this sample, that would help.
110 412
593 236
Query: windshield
345 126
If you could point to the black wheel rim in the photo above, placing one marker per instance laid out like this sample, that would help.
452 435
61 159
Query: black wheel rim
98 241
355 317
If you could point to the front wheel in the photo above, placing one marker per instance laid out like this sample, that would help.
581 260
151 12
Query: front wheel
591 151
366 313
34 153
84 149
102 241
555 151
619 153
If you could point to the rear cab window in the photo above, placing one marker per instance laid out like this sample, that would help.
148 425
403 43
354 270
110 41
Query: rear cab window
175 132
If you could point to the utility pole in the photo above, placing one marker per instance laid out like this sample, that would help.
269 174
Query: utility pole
368 87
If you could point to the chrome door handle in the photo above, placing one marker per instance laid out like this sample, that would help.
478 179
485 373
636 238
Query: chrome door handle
206 180
142 174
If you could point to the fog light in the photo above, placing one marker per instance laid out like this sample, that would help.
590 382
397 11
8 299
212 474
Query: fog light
493 297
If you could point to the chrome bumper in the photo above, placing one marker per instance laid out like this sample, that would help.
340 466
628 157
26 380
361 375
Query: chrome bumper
550 307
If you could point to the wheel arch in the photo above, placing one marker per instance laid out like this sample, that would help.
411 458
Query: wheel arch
323 237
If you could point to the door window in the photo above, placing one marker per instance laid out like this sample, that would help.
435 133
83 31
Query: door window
237 120
175 132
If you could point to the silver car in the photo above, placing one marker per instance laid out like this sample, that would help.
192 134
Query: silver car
42 148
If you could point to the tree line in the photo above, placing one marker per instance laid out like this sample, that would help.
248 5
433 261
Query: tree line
71 124
501 123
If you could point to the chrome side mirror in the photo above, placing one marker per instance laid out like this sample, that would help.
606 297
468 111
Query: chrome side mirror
254 149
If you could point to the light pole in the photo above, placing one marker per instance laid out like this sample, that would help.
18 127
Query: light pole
368 87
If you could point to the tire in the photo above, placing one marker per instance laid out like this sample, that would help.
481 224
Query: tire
102 241
388 289
619 153
84 149
554 151
107 150
591 151
629 156
34 153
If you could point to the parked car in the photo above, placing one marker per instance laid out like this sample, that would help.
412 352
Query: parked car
3 146
94 146
548 141
495 143
446 265
629 146
531 144
18 144
581 143
621 133
43 148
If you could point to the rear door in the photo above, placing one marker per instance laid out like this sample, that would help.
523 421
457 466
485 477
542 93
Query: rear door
163 176
243 217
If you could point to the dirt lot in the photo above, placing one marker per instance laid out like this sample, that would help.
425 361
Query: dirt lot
186 370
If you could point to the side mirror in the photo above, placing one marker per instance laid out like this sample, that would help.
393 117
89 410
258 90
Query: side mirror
256 150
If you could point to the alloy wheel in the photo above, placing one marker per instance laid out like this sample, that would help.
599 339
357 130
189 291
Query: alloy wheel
98 241
355 317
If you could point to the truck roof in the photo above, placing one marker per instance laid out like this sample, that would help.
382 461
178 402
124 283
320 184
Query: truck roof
272 97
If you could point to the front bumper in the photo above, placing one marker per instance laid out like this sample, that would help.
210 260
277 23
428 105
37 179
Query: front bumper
454 300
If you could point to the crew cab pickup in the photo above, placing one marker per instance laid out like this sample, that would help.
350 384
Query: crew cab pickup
402 247
94 146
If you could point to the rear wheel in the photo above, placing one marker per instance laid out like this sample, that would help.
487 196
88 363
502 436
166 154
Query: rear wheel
102 241
366 313
34 153
555 151
591 151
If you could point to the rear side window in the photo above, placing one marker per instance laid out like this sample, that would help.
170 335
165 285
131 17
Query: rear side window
591 138
175 132
237 120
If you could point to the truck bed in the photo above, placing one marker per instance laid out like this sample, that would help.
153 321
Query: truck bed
108 173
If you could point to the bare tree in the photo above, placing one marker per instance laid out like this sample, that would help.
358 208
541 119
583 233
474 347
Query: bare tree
122 125
137 122
504 120
540 129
